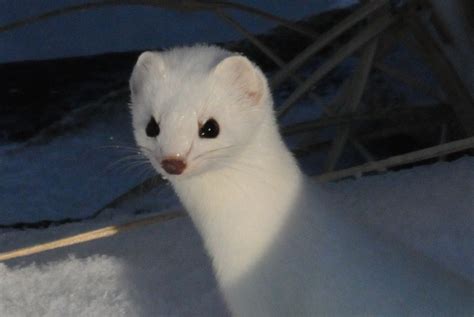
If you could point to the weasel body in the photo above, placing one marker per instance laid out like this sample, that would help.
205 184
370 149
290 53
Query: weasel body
204 118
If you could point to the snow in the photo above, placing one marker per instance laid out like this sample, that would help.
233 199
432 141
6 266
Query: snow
101 292
70 177
429 208
155 271
162 269
134 27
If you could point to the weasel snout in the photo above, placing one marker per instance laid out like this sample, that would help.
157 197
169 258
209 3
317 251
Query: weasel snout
173 166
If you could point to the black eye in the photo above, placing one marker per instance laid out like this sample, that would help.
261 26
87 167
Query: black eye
152 128
209 130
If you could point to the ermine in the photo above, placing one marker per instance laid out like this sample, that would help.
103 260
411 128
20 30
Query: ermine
204 118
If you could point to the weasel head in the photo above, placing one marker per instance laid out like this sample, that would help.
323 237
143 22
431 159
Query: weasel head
194 109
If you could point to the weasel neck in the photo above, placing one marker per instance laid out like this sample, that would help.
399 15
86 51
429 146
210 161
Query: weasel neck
239 211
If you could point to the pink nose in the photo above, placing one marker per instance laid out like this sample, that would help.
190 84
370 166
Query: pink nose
173 166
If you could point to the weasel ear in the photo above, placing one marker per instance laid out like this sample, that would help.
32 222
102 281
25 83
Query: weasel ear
240 73
147 63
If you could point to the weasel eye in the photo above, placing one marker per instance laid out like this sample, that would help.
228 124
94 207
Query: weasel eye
209 130
152 128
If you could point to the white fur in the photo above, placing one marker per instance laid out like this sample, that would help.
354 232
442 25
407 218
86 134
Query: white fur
277 247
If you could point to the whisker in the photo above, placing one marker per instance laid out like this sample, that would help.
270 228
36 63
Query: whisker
137 157
216 150
135 165
147 172
126 148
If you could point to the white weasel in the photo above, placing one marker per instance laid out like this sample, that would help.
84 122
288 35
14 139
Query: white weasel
204 118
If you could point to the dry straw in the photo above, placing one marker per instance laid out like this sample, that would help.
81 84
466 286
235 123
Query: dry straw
89 236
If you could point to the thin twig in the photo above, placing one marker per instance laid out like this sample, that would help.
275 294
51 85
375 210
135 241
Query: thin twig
325 39
458 95
252 10
366 35
359 82
443 138
64 11
410 80
189 5
432 113
338 101
264 49
89 236
412 157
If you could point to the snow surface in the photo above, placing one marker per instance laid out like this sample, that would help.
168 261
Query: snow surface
126 28
162 270
156 271
71 176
